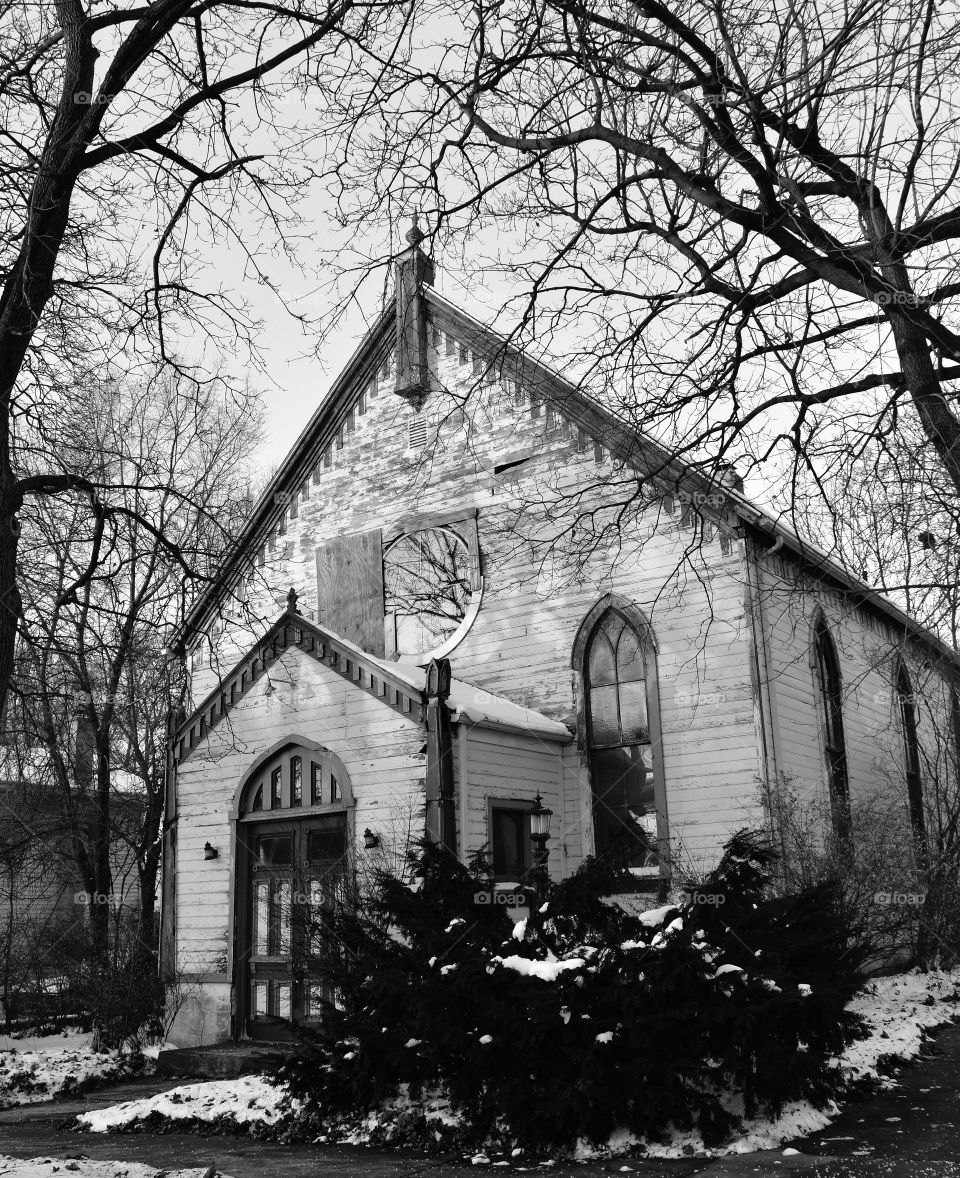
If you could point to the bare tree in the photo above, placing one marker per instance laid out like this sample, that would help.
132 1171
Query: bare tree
894 524
134 139
740 217
94 680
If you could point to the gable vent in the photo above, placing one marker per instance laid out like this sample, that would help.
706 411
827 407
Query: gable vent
418 433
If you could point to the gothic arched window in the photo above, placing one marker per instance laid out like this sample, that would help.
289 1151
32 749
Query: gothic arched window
831 712
619 675
911 756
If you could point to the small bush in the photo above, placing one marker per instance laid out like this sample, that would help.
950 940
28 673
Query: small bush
647 1022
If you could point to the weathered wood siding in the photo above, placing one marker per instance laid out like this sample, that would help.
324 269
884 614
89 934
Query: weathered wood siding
298 697
868 650
540 579
514 767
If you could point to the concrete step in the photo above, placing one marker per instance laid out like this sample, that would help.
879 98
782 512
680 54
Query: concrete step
218 1061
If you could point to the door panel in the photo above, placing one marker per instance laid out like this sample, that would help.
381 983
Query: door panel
295 870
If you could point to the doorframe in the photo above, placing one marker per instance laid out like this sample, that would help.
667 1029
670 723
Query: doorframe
239 912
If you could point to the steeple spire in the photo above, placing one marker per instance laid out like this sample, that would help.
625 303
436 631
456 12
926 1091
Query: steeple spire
414 270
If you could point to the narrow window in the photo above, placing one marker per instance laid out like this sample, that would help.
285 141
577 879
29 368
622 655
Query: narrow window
831 719
911 759
626 797
336 794
258 799
955 725
510 841
296 781
316 785
276 778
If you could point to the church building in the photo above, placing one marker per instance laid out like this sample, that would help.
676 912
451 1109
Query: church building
470 587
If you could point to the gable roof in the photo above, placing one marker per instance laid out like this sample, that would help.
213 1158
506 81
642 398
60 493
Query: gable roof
401 688
625 442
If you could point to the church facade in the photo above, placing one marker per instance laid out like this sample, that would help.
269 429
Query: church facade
469 587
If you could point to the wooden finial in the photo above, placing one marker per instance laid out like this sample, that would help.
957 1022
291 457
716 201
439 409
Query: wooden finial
414 234
292 600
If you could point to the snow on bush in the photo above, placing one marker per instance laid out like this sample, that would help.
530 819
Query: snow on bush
897 1012
586 1021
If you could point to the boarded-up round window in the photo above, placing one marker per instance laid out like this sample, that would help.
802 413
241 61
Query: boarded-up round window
426 581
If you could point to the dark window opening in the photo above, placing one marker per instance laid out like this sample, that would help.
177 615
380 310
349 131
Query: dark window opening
327 840
275 850
834 745
510 841
296 781
620 742
955 724
911 758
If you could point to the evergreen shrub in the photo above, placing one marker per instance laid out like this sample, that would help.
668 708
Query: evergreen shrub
728 1004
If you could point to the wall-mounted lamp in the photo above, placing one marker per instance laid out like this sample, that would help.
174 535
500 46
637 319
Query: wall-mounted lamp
370 840
210 852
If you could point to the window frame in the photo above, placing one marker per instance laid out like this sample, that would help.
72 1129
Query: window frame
464 526
913 774
507 805
635 619
829 681
260 783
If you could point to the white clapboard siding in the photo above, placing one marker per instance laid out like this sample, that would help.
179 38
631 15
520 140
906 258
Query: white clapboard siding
381 748
867 651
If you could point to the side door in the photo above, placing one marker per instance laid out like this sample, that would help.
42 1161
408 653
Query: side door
297 871
323 877
271 961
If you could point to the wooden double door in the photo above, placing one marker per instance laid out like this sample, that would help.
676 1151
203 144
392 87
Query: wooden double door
292 873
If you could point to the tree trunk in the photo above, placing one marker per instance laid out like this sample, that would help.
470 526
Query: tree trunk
923 384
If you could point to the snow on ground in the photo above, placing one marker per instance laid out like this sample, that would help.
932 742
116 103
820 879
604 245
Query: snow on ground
71 1040
31 1076
245 1100
896 1009
85 1168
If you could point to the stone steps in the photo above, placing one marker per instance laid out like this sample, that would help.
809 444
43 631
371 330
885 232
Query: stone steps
219 1061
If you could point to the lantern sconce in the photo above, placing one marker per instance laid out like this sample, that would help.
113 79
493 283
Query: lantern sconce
370 840
210 852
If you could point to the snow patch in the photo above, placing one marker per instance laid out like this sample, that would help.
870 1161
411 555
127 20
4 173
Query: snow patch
547 971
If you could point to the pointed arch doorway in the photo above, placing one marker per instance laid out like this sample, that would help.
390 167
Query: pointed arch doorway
294 834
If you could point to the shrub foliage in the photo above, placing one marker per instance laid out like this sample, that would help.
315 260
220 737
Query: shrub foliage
732 1001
